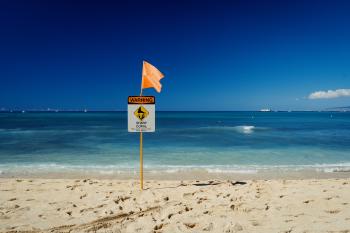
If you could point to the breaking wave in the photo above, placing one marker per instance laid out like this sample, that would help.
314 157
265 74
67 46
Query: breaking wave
243 129
52 168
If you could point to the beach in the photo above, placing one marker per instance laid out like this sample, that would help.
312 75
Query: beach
111 205
204 172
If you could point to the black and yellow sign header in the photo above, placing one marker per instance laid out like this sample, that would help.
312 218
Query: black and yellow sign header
141 100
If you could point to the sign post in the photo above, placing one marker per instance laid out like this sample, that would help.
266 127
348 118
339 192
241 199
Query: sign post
141 118
141 109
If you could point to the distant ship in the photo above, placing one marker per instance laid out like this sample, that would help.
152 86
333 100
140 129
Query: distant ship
265 110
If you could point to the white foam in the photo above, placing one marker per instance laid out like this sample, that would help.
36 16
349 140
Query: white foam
240 171
336 169
172 170
159 168
108 172
247 129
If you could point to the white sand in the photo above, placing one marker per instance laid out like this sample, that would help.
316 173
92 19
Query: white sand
58 205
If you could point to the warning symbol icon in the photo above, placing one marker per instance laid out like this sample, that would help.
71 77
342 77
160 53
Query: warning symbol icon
141 113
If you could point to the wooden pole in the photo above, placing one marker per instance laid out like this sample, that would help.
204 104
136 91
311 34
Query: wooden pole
141 146
141 162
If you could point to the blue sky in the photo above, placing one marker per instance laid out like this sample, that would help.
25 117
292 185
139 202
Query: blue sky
216 55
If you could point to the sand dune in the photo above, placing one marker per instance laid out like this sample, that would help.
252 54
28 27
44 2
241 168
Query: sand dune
58 205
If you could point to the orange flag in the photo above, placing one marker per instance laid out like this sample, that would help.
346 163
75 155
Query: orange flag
151 77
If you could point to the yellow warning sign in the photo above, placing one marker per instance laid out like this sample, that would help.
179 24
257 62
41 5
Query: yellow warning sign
141 113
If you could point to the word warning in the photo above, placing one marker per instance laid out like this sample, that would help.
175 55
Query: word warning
141 114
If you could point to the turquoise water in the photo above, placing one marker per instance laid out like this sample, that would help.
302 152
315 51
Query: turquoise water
214 141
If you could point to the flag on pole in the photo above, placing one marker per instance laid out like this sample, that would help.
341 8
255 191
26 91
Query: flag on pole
151 77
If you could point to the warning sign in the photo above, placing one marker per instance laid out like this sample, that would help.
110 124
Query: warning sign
141 114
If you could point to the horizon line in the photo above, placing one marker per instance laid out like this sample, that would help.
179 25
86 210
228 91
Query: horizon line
86 111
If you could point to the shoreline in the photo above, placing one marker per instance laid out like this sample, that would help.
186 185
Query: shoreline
176 175
110 205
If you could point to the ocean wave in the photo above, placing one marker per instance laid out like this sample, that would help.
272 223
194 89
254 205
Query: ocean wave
244 129
235 171
335 169
247 129
14 169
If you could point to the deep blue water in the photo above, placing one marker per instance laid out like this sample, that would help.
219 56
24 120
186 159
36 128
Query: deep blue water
217 141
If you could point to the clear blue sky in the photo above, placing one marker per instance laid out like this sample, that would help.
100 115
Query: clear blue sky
216 55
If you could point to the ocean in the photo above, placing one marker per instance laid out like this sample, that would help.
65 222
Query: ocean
214 142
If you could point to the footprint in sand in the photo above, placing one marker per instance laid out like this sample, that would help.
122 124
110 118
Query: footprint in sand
332 211
158 227
121 199
87 209
267 207
201 200
308 201
190 225
15 207
255 223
